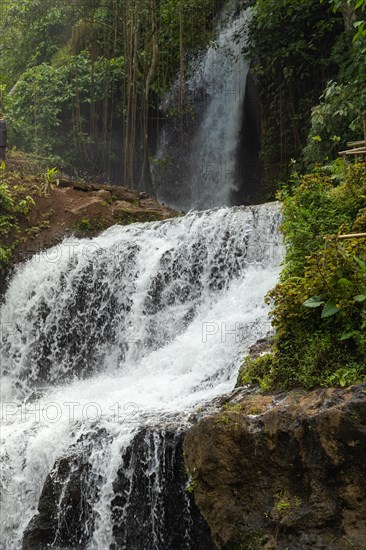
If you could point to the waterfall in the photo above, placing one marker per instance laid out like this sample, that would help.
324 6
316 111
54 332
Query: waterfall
196 163
108 346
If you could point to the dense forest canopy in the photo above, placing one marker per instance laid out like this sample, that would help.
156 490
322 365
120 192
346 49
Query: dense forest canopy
310 60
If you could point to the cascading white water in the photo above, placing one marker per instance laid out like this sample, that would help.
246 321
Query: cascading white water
205 173
133 329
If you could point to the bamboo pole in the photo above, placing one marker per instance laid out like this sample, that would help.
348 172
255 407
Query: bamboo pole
356 143
350 236
357 151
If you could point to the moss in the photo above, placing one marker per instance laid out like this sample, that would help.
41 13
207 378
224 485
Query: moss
191 486
235 407
88 227
257 370
285 503
319 305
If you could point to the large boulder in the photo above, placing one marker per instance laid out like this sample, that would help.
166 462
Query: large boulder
283 471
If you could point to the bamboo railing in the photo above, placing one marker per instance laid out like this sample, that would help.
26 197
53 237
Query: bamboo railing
356 148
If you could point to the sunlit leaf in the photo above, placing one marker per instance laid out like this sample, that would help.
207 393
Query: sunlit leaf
329 309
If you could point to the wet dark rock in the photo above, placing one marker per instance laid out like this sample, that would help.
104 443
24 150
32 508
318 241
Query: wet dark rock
154 502
65 518
249 166
263 345
151 507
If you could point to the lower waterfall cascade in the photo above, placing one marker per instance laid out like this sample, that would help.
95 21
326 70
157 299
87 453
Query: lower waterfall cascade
108 346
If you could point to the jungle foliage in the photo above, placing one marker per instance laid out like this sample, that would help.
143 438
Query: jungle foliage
319 305
313 94
82 81
310 60
15 204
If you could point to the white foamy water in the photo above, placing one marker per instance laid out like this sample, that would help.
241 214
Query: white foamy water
137 327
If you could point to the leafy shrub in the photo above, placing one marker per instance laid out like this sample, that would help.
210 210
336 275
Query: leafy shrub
14 203
39 109
317 204
319 306
335 120
338 117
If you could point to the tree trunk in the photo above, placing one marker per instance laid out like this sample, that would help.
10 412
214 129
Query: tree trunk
349 15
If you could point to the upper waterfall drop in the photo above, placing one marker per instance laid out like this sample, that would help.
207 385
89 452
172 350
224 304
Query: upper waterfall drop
109 345
196 165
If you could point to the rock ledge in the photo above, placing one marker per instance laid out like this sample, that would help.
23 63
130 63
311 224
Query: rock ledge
283 471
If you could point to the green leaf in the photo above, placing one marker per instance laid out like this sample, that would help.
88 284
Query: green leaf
315 301
329 309
348 335
345 282
361 264
360 298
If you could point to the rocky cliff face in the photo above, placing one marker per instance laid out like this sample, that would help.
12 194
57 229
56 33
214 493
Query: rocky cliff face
283 471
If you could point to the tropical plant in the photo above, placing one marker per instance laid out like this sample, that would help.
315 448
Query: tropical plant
319 305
